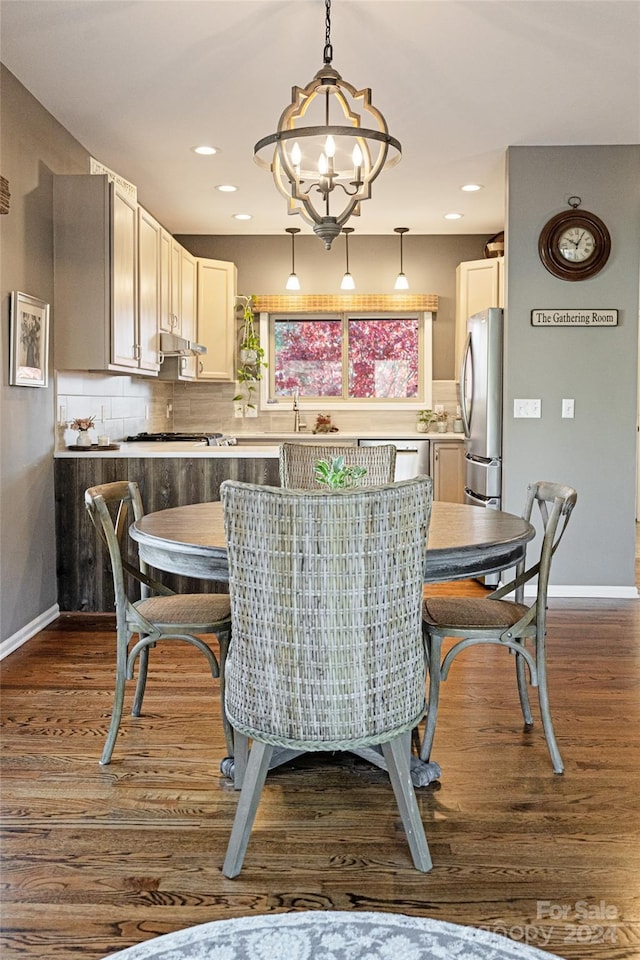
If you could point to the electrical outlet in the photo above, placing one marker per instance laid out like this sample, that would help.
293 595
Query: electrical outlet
251 412
238 410
527 408
568 407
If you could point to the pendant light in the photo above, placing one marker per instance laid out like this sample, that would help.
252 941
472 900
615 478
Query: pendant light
401 281
323 167
292 281
348 282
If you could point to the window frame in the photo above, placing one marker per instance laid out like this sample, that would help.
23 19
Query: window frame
425 362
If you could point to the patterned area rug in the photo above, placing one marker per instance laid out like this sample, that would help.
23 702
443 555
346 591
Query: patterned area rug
331 935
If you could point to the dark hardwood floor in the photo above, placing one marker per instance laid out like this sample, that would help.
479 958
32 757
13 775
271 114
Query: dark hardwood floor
96 859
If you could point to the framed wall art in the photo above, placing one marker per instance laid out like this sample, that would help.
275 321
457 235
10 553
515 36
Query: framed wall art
29 341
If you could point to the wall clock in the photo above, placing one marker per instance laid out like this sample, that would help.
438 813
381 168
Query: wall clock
575 244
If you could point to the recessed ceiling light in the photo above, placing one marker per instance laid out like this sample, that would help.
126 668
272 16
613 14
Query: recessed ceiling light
242 216
226 188
471 187
453 216
205 151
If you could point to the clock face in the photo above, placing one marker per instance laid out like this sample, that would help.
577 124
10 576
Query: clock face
574 245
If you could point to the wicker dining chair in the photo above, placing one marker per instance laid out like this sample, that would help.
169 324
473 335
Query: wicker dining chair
327 653
112 508
507 623
298 460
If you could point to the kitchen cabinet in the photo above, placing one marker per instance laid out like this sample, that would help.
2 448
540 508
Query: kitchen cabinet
188 317
96 278
167 320
179 308
479 285
149 234
217 283
448 470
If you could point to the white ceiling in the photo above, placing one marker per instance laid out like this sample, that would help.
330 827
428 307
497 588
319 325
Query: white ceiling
140 82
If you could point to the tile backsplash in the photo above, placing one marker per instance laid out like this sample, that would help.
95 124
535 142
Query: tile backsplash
120 405
126 405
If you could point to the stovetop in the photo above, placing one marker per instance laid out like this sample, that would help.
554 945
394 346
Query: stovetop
210 438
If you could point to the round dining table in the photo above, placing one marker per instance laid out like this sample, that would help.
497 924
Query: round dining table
464 541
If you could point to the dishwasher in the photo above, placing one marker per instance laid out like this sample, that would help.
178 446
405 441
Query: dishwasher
412 456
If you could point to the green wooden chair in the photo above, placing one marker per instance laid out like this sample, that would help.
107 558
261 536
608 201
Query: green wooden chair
159 614
298 460
327 653
507 623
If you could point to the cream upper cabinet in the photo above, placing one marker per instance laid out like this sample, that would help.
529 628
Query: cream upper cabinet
149 235
96 278
188 294
167 318
217 281
176 287
479 285
125 344
178 313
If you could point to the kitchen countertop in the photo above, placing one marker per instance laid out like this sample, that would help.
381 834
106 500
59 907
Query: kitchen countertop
261 446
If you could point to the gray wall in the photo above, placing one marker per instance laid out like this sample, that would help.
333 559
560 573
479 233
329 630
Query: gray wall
430 262
596 451
34 147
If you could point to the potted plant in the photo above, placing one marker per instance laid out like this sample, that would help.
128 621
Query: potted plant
440 419
336 474
425 419
83 425
250 354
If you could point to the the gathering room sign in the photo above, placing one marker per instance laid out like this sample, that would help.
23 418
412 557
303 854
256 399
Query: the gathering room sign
565 317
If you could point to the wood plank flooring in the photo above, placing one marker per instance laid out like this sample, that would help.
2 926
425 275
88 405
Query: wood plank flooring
96 859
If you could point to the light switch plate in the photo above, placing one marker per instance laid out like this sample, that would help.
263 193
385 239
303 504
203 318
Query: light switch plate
568 408
527 408
238 410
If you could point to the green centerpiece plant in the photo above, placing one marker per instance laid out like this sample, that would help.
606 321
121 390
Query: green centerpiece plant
336 474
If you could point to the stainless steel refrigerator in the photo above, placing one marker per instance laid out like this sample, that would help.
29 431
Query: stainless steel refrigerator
481 407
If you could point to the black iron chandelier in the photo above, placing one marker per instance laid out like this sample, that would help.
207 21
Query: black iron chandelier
322 157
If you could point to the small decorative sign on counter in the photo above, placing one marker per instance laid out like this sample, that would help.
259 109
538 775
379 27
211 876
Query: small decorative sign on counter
566 317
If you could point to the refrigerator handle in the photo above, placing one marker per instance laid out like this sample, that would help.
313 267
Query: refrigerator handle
466 412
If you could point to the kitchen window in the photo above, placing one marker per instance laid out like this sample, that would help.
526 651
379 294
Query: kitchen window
349 360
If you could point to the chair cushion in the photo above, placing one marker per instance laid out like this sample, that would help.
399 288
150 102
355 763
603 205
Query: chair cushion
471 612
186 608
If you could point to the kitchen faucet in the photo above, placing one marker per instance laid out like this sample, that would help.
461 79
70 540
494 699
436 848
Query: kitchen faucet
298 424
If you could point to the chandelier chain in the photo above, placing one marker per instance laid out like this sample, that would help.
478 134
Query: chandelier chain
328 49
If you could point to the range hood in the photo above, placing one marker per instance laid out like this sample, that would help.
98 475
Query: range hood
173 346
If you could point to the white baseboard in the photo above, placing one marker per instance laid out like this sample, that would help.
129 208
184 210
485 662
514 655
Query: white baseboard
29 630
588 592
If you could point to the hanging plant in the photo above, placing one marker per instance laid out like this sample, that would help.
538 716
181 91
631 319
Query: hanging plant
250 354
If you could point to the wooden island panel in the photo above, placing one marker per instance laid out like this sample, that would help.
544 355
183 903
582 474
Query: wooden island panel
83 572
